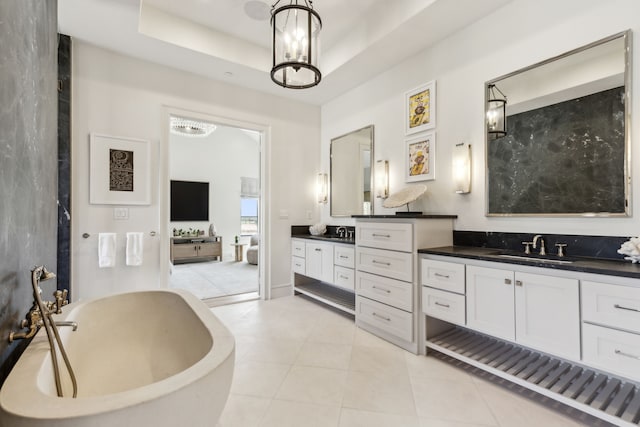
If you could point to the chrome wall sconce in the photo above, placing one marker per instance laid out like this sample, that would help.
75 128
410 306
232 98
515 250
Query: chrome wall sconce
296 30
461 168
496 113
381 173
322 188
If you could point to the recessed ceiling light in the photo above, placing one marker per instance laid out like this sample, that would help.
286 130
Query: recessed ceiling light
257 10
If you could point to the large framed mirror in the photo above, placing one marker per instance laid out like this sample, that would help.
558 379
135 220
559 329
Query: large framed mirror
561 147
351 173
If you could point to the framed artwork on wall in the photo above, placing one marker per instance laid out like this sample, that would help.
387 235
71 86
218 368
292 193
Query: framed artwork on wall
420 108
420 158
119 171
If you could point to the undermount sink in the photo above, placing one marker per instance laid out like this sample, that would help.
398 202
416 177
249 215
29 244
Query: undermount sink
536 259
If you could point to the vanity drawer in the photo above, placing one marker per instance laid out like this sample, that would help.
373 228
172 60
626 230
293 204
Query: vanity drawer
344 277
614 351
611 305
297 248
392 236
298 265
443 305
443 275
391 320
344 256
389 291
396 265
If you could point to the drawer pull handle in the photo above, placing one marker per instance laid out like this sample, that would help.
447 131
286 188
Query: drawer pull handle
344 256
622 353
382 289
620 307
518 282
442 305
344 277
388 319
444 276
387 236
388 264
507 281
318 250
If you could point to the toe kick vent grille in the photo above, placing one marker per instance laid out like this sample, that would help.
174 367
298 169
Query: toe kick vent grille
613 399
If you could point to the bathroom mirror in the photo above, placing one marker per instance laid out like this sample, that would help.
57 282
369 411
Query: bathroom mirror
566 148
351 173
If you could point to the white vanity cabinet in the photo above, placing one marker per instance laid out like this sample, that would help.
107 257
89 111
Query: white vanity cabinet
611 328
324 270
443 290
387 288
525 308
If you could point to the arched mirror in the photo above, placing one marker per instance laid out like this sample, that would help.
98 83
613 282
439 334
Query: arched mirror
351 173
564 149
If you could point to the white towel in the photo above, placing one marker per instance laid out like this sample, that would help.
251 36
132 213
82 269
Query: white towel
134 248
106 250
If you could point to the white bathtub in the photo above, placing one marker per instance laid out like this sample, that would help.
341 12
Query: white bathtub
152 358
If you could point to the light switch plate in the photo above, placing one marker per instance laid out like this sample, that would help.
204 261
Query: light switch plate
120 213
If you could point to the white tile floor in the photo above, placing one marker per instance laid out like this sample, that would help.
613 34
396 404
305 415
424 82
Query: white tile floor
301 364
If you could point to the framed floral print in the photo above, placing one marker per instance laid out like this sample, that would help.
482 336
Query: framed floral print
420 158
420 108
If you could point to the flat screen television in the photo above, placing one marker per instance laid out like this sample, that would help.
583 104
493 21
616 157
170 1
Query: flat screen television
189 201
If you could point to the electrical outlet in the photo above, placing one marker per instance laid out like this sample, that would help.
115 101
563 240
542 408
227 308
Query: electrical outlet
284 214
309 215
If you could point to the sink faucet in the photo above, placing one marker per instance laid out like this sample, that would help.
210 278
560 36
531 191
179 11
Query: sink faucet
342 231
543 251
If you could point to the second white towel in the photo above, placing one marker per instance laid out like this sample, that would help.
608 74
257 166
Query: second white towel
134 248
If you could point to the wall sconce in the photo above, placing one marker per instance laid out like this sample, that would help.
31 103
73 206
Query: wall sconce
322 188
382 178
461 167
496 113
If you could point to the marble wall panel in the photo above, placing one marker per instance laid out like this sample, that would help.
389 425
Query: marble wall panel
28 159
563 158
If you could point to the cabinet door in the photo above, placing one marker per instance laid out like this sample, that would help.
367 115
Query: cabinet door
490 306
185 250
548 314
319 261
208 249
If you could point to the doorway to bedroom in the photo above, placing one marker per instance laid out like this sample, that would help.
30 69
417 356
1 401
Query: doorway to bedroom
214 208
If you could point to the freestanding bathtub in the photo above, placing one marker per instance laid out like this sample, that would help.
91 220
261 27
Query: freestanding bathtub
151 358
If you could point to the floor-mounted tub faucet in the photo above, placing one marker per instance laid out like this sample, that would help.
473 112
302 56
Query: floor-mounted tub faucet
41 314
543 251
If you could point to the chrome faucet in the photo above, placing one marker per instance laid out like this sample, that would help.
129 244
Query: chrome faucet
342 231
543 251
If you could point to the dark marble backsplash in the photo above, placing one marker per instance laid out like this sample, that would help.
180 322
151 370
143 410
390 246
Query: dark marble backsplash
332 230
604 247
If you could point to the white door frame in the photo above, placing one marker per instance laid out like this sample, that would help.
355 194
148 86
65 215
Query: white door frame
264 259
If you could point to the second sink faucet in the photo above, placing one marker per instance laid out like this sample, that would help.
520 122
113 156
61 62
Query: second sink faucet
342 231
543 251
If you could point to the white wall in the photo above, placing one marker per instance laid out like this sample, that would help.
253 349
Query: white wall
122 96
219 159
521 33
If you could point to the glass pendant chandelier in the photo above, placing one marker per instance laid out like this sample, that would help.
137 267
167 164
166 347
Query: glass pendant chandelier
496 113
296 44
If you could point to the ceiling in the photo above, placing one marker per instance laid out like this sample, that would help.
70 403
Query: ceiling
219 39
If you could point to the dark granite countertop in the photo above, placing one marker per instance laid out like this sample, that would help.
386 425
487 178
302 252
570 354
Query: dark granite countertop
581 264
326 238
405 216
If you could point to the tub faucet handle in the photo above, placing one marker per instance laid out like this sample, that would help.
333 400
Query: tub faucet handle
61 300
